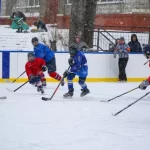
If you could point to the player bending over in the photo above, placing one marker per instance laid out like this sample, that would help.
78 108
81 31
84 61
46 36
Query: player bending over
34 70
43 51
146 83
78 63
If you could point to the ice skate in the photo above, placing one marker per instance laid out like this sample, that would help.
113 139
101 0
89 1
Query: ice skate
68 95
84 92
40 89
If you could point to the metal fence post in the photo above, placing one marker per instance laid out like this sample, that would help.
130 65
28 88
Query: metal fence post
98 39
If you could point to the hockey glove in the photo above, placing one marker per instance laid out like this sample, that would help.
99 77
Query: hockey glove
70 61
34 79
65 74
144 85
44 68
31 79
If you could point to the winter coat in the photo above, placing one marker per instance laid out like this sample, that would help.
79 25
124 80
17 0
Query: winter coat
135 46
17 23
81 45
122 50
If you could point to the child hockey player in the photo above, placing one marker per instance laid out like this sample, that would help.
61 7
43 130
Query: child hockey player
42 51
78 63
34 70
146 83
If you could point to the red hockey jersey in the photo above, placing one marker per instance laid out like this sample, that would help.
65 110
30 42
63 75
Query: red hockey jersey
34 67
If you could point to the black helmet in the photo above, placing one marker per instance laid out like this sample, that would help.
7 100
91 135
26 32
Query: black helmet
73 49
146 51
31 54
34 39
122 38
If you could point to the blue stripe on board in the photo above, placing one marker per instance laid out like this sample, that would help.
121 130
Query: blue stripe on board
5 64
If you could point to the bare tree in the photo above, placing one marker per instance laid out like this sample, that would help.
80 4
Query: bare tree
90 12
77 19
82 20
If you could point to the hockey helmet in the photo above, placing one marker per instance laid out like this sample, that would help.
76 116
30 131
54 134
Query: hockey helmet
146 51
73 49
31 56
35 39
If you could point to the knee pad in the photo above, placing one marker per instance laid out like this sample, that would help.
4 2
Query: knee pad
81 80
70 76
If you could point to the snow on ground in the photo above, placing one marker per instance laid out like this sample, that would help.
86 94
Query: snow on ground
10 40
28 123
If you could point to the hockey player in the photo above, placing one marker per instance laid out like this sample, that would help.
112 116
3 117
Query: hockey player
78 63
34 70
146 83
43 51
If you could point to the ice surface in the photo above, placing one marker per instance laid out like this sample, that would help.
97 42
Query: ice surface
28 123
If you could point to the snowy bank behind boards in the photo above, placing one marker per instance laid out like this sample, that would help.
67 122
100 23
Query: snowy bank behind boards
10 40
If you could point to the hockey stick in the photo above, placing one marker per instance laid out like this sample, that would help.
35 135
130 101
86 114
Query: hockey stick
3 97
15 79
18 87
119 95
130 104
146 62
48 99
18 77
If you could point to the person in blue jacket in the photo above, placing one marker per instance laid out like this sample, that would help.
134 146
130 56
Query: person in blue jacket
43 51
78 66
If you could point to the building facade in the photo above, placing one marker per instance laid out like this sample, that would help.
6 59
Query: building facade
37 7
29 7
115 6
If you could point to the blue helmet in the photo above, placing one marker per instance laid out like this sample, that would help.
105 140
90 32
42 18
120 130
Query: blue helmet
146 50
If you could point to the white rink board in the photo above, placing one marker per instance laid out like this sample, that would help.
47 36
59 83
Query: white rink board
100 65
0 65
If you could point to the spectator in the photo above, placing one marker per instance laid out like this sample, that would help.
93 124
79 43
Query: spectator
40 25
113 47
134 44
123 50
82 46
18 23
21 15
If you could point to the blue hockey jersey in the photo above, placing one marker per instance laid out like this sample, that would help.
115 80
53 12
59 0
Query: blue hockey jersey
79 67
43 51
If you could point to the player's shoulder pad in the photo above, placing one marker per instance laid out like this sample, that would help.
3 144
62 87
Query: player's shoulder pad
28 64
81 53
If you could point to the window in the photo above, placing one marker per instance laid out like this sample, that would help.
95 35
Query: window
110 1
69 2
33 3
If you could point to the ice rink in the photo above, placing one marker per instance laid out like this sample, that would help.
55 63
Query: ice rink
28 123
